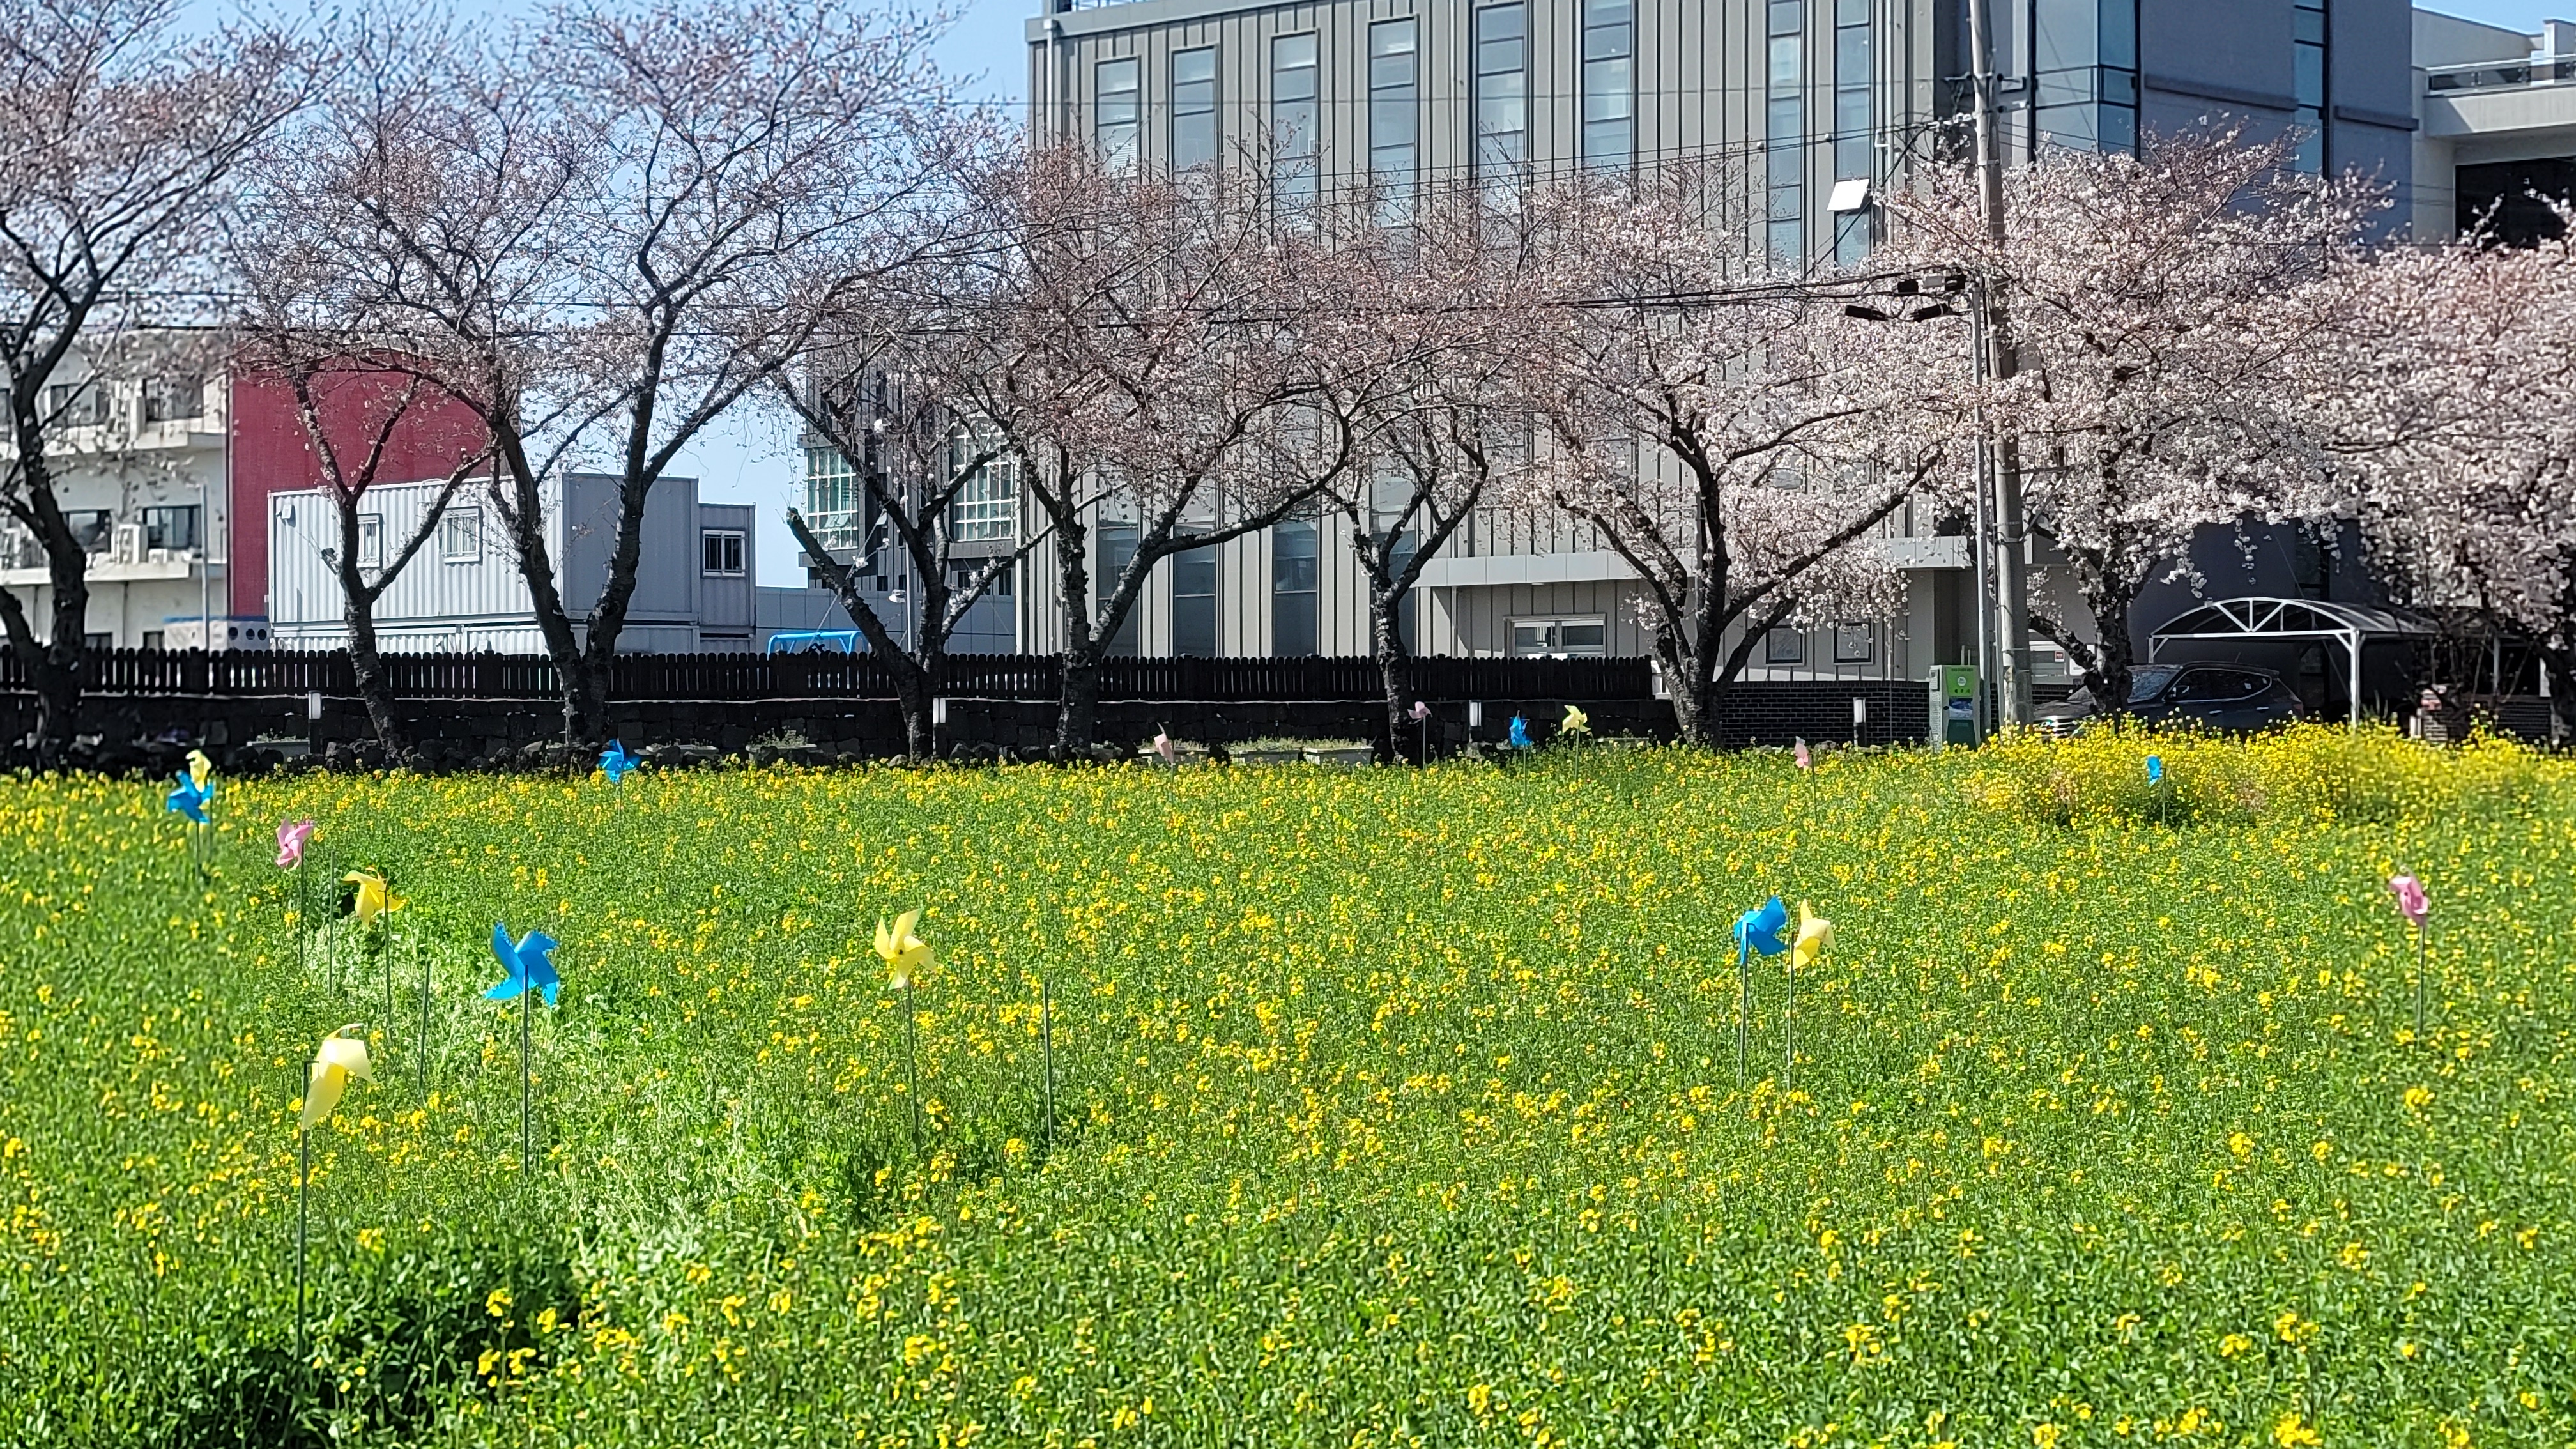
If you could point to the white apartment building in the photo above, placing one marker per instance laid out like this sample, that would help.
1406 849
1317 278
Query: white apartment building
142 464
462 593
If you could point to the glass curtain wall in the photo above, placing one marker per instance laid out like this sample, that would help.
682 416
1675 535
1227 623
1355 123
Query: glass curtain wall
2086 86
1295 554
1395 116
1609 83
1194 603
1193 108
1502 91
2308 76
1785 133
1855 152
1295 119
1118 112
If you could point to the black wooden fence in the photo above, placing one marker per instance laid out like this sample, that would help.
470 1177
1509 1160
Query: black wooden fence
840 676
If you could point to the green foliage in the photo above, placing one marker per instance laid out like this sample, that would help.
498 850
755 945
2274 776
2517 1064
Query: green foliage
1392 1106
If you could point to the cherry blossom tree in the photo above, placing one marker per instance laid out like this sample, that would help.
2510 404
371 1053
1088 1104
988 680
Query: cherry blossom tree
121 143
599 237
899 406
1151 369
2163 308
1736 440
2451 410
1419 329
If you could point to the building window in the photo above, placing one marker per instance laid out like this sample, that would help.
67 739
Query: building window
2308 76
98 641
1194 603
152 638
460 535
92 528
2086 87
1193 108
1855 154
835 504
1115 545
371 540
722 550
1585 635
1784 646
1785 136
175 529
987 503
1294 118
1295 553
167 399
1117 112
1854 643
1502 89
1398 559
962 572
1395 115
1609 82
76 404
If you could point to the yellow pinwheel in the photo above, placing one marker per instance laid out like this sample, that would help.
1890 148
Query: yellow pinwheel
903 949
1815 933
374 896
200 769
1577 723
342 1057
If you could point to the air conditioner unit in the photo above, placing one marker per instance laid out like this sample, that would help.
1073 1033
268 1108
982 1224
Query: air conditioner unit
128 545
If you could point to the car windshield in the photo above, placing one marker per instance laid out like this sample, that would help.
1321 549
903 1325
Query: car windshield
2145 684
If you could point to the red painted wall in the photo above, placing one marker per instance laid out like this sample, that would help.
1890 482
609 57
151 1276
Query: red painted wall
271 454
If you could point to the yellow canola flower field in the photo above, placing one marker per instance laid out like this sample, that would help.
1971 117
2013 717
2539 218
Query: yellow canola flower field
1389 1107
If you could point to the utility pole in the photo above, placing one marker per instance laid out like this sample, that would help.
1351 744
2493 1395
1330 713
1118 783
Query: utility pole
2011 543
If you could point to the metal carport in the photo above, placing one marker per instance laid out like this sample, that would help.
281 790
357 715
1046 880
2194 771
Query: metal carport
2261 619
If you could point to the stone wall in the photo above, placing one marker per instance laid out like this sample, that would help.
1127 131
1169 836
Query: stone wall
120 730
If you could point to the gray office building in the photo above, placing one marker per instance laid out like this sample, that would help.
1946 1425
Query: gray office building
1824 104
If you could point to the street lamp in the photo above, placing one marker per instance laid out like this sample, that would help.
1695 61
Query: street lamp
1954 299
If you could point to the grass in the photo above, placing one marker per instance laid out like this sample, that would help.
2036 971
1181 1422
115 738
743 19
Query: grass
1394 1107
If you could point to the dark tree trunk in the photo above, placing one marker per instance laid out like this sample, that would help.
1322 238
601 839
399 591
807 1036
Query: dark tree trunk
912 680
53 664
1394 664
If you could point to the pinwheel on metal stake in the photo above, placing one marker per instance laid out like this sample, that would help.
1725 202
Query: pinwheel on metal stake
1815 933
192 798
614 762
2415 906
1421 714
906 955
527 974
343 1056
1756 931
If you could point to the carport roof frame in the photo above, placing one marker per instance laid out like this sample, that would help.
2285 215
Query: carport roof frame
2350 625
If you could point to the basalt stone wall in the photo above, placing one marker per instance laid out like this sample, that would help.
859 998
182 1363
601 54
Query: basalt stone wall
119 730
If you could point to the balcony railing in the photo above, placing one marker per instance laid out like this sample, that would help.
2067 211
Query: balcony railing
2500 75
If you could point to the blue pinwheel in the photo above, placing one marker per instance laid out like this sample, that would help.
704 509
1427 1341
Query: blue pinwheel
1758 931
615 762
526 964
2155 770
1520 739
190 797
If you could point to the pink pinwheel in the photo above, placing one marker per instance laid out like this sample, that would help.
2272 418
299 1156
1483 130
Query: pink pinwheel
1163 746
1806 759
1421 712
291 835
2411 901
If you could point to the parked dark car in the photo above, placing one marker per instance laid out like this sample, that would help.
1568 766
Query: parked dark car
2226 697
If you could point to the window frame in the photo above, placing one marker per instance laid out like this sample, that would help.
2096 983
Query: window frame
1120 142
1190 112
371 540
1554 645
448 523
1784 644
720 546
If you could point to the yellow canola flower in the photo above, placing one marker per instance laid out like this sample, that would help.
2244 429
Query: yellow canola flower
342 1056
374 896
1815 933
903 949
200 769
